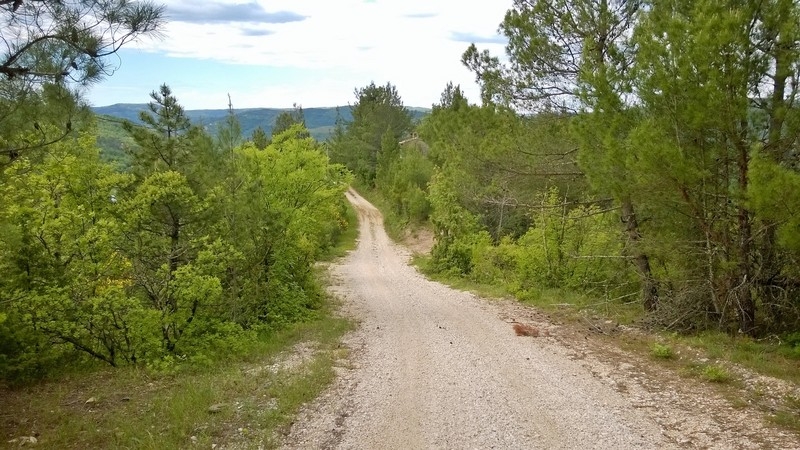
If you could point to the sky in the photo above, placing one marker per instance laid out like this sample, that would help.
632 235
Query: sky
276 53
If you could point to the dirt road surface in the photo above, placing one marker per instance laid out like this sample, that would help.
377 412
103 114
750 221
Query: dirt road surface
432 367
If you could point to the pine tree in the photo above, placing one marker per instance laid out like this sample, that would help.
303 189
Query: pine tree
52 50
568 57
377 109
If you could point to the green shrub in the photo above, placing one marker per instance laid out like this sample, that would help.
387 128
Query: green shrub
662 351
494 264
175 269
715 374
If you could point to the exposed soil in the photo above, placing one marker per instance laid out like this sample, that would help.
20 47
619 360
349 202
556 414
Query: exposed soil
419 240
432 367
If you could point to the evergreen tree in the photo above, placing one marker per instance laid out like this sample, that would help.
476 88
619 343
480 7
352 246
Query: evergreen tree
573 56
229 132
169 142
377 109
160 143
681 109
286 119
259 138
51 50
701 103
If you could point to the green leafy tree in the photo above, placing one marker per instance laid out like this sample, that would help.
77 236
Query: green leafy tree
775 39
452 98
65 278
160 146
670 102
403 176
178 262
287 209
51 40
167 223
502 159
34 119
169 142
702 104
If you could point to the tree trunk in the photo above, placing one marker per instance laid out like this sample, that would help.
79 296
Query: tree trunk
777 107
640 259
175 238
765 253
747 306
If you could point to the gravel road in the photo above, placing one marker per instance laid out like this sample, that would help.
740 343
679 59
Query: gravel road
432 367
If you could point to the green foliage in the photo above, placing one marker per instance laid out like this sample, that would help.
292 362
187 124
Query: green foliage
58 39
497 206
451 224
573 247
34 118
662 351
499 160
286 209
229 132
774 194
259 138
178 264
377 114
52 49
793 340
167 141
715 374
65 274
685 117
402 179
287 119
495 264
113 142
567 246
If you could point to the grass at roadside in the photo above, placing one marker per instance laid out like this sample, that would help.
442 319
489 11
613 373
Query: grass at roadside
422 262
561 304
347 239
248 400
716 358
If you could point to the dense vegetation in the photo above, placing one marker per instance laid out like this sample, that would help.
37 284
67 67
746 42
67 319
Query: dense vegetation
187 255
637 152
626 150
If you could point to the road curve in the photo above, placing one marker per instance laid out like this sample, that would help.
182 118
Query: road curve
432 367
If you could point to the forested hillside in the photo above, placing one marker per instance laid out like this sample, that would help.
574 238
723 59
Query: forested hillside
633 152
320 122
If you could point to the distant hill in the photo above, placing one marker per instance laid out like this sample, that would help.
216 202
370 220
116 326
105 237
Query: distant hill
319 121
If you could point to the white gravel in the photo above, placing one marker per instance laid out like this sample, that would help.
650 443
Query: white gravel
432 367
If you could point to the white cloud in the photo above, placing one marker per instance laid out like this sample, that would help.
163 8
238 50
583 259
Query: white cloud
414 44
